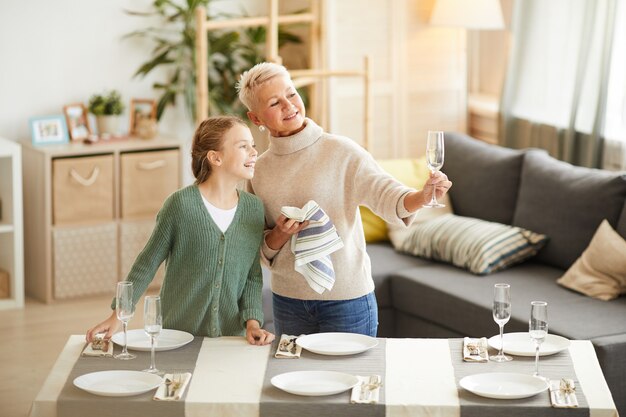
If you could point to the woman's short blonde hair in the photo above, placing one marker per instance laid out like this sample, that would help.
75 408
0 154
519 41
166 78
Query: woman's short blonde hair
256 76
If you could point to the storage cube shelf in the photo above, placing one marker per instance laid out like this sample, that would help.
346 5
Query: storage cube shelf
89 210
11 224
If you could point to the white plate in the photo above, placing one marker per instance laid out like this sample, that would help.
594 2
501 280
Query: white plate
118 383
336 343
168 339
521 344
503 385
314 383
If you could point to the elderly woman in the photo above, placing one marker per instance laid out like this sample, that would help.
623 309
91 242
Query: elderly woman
305 163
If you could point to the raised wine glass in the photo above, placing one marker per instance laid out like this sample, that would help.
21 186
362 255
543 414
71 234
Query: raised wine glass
501 315
124 309
538 328
152 324
434 160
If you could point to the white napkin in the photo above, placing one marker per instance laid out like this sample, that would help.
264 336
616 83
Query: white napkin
177 387
90 351
287 348
367 391
475 350
563 393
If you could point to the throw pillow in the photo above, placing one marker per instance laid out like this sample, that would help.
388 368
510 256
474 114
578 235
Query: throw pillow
479 246
600 272
410 172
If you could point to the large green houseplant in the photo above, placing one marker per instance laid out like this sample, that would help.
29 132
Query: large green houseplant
230 53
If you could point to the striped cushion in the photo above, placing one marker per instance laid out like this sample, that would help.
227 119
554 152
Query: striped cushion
479 246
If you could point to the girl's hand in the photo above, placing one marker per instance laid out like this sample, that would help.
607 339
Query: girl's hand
257 336
282 232
110 326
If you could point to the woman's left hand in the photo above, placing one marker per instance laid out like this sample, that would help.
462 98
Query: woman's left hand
256 335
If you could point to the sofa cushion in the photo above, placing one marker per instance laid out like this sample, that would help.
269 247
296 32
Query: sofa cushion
479 246
485 178
452 298
386 261
600 272
566 203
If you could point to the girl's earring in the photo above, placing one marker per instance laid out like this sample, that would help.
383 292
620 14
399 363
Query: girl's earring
261 128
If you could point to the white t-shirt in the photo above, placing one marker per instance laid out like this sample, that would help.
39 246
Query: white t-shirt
223 218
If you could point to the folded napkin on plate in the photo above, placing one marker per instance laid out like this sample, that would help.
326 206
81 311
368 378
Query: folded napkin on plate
563 393
475 350
313 245
99 347
367 391
173 387
287 348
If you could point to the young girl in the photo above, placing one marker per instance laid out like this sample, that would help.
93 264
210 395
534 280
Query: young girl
209 234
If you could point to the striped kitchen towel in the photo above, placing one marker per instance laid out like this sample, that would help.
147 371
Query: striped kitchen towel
313 245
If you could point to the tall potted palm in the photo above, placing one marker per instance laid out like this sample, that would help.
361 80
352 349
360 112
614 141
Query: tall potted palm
230 53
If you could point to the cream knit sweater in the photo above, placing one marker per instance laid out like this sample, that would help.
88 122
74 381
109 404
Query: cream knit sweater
339 175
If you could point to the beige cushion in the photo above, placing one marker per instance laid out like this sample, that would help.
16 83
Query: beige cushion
600 272
479 246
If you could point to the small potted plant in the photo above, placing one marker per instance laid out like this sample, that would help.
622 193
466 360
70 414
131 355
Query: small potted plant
107 108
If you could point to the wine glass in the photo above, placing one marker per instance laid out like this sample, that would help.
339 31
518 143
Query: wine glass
538 328
152 324
501 315
124 308
434 160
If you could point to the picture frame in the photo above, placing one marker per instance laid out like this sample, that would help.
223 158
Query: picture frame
77 121
141 108
48 130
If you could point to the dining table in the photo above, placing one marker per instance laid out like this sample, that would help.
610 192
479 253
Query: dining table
420 377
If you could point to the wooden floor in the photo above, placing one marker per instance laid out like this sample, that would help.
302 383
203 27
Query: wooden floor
31 340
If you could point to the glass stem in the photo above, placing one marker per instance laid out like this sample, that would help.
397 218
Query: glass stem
536 359
125 324
501 353
433 200
152 359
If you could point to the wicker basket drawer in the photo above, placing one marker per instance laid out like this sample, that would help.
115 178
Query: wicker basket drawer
133 237
85 260
147 179
82 189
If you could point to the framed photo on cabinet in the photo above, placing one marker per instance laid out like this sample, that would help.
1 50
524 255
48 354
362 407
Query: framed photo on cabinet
48 130
141 109
77 121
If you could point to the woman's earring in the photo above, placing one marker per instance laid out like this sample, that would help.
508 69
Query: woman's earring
261 128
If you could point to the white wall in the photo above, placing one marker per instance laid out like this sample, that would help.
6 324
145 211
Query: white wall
58 52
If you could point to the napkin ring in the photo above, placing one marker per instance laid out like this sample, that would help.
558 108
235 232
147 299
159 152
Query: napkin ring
566 386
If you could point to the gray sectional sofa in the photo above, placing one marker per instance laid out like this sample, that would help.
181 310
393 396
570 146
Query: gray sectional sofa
529 189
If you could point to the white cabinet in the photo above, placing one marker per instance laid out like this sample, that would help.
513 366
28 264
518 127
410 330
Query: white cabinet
90 209
11 224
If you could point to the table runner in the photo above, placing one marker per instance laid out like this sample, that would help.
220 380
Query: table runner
73 401
277 403
555 366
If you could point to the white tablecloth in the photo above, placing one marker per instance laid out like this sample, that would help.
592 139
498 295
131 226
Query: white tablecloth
419 379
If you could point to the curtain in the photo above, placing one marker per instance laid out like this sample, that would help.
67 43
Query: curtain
555 90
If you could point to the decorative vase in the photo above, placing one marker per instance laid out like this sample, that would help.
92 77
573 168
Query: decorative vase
108 125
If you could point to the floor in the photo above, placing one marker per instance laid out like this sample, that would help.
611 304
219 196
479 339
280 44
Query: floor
32 339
